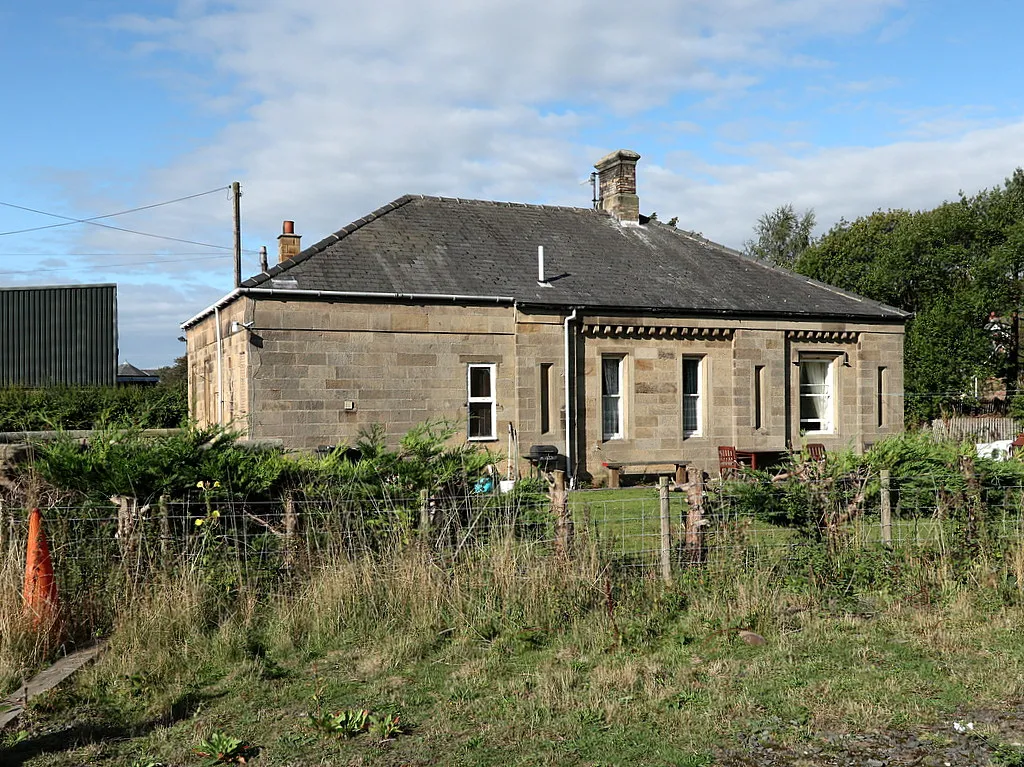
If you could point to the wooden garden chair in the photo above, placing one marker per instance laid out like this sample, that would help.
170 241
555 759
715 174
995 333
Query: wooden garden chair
728 464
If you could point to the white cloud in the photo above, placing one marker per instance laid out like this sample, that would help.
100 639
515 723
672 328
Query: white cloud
357 103
350 105
725 201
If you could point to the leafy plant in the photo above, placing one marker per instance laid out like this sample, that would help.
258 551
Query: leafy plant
220 748
15 738
1008 755
385 727
346 723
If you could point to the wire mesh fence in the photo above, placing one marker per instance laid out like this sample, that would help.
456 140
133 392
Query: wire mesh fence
746 523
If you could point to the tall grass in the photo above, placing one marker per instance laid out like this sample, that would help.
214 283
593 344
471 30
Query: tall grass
408 601
536 648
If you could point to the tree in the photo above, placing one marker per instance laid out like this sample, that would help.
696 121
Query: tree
782 236
174 375
952 266
999 271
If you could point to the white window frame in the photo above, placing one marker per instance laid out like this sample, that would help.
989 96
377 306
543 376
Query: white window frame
829 394
613 400
491 400
697 398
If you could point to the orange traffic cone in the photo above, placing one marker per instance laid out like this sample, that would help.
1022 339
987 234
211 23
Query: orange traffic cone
41 604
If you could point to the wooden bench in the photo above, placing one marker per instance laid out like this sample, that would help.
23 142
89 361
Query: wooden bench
614 467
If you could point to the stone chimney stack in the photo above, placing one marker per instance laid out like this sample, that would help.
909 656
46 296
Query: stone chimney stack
616 178
289 244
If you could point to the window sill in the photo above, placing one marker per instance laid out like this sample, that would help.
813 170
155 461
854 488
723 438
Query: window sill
481 439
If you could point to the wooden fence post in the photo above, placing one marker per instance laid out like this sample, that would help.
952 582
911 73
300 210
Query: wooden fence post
974 524
291 521
886 508
424 532
124 525
695 518
560 509
666 532
165 526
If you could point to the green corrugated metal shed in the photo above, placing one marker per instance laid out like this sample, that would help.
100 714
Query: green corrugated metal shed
61 335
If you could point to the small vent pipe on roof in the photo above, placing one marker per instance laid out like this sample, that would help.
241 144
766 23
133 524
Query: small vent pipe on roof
540 268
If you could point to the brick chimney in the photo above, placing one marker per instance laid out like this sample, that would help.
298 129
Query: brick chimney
289 244
616 178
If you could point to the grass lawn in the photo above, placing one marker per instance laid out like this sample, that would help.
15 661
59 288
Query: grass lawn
627 521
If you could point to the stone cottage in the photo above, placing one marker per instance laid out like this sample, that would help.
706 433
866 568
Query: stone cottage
610 335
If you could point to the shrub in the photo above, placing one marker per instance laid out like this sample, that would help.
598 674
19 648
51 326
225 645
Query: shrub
92 407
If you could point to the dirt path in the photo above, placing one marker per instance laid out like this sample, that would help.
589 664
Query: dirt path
977 739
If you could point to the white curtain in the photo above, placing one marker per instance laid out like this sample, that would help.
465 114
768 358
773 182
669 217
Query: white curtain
611 397
814 395
691 396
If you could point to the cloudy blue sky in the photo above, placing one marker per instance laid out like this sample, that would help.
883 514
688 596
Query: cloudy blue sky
326 110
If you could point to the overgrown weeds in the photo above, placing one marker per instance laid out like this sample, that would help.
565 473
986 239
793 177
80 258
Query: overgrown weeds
449 615
509 649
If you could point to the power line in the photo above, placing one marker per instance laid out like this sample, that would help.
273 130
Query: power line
69 221
94 220
160 236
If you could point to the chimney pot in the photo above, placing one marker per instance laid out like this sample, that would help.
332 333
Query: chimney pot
616 175
289 244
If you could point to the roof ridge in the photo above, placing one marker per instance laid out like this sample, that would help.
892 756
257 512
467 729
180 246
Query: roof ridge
382 211
508 204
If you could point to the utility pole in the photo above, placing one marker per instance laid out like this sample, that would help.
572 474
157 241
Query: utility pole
236 197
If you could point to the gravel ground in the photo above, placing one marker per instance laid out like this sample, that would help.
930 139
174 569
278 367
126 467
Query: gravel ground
976 739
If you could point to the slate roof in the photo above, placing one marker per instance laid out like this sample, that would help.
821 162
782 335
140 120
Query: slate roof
444 246
128 373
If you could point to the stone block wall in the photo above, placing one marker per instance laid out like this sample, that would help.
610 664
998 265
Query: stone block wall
324 371
204 382
315 373
539 343
734 354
